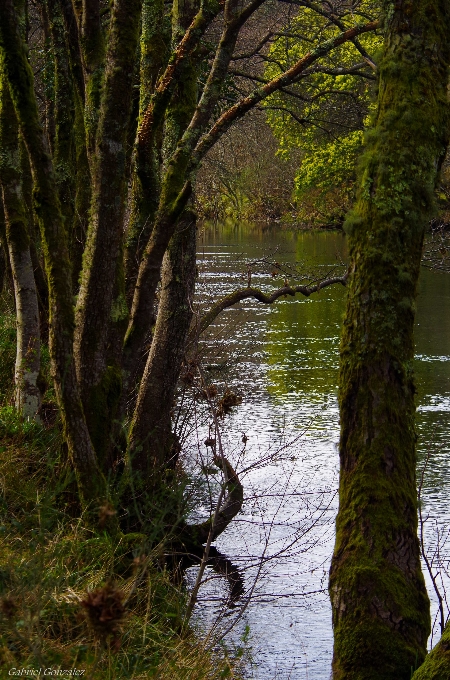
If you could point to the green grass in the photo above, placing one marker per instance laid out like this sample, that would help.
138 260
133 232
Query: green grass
73 597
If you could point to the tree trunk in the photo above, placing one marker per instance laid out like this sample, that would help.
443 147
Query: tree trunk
64 151
91 483
155 43
48 80
380 605
33 233
92 45
5 265
99 302
151 445
27 394
82 135
437 663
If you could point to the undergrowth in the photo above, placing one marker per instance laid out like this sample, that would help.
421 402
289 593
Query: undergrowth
75 601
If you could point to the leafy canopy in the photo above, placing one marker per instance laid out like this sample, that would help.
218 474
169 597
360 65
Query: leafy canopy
325 114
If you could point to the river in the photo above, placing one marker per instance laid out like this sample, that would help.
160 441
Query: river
283 360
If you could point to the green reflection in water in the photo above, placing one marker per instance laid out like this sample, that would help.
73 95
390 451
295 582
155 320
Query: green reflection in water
301 337
303 334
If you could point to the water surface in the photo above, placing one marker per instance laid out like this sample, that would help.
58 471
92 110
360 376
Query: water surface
283 359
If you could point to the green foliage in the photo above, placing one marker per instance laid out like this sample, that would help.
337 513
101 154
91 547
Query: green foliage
326 114
324 184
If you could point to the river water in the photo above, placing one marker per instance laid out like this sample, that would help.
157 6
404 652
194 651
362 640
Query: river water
282 360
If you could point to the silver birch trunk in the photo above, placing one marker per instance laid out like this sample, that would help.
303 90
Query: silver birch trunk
27 394
28 355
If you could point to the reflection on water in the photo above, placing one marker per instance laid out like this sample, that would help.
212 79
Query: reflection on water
283 360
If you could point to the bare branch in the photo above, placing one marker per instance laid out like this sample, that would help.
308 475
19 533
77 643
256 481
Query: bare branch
288 77
254 52
331 16
268 299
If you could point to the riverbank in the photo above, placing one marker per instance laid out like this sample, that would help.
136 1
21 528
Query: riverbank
74 600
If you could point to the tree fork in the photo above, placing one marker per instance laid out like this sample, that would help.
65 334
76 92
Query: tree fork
176 186
380 605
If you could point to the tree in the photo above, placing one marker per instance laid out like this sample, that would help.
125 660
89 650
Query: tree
325 116
380 605
112 171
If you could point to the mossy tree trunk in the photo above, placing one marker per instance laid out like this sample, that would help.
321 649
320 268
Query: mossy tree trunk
154 43
82 177
437 663
380 605
48 79
27 393
151 447
64 149
99 302
92 47
33 233
54 242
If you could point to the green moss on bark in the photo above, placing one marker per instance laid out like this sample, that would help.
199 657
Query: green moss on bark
91 483
101 283
154 47
437 663
101 411
380 606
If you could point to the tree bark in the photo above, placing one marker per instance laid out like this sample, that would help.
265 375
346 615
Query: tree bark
33 233
64 149
380 605
437 663
92 46
27 394
99 302
155 43
91 483
80 75
151 445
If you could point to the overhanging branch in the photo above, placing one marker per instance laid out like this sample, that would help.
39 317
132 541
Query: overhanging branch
246 103
268 299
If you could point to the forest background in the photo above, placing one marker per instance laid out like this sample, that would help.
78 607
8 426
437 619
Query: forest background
120 124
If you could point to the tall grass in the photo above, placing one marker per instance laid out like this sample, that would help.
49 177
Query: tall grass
73 598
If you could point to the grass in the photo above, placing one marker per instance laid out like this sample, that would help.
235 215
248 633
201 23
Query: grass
73 598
